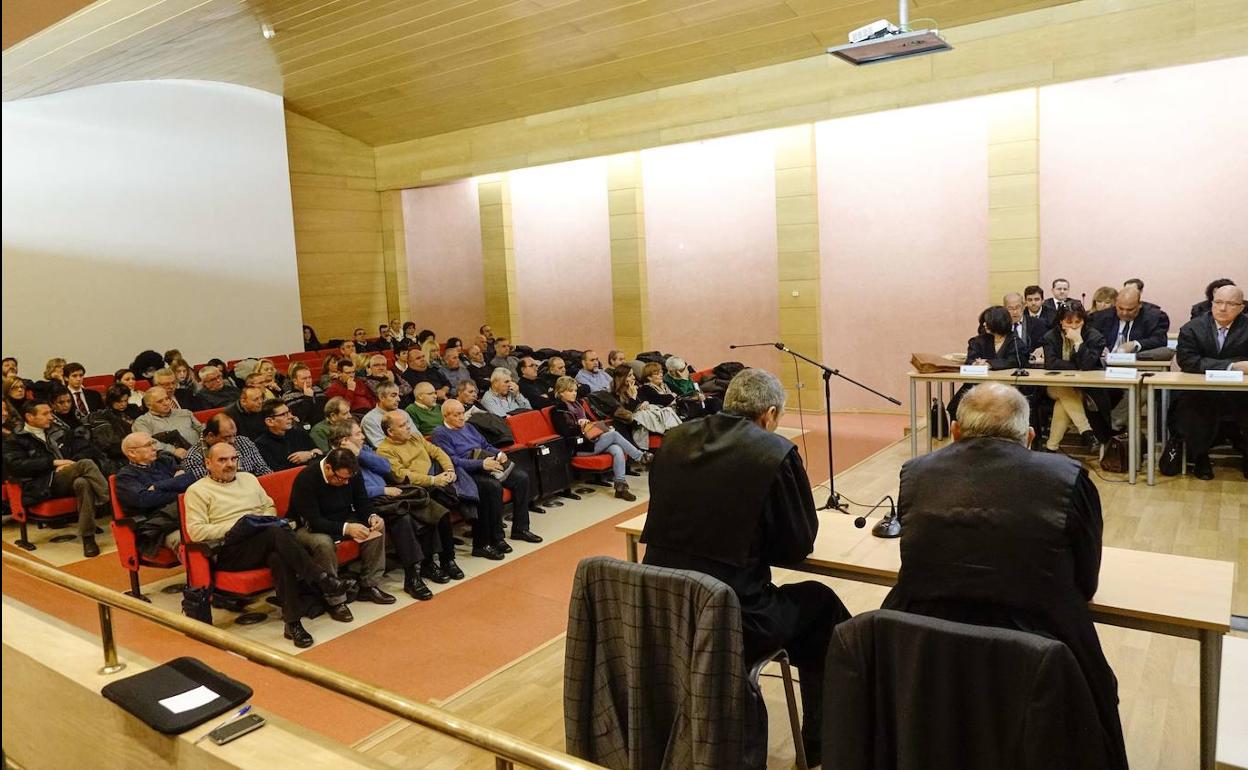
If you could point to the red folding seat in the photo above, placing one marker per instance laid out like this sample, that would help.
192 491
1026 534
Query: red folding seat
204 415
127 548
55 512
97 381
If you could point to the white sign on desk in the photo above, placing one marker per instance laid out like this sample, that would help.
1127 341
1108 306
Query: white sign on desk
1224 375
970 370
1121 373
1119 358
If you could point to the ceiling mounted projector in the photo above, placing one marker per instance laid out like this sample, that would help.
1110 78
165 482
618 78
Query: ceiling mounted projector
881 41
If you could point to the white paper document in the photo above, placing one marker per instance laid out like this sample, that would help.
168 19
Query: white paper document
191 699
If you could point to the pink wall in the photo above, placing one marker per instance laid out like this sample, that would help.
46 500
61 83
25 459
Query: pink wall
445 280
711 249
563 255
1146 175
903 234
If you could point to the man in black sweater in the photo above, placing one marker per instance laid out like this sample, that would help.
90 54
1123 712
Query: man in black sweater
284 444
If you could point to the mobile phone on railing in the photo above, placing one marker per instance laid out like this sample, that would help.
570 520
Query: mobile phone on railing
236 729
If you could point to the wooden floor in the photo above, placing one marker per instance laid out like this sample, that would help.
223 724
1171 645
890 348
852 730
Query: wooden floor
1158 682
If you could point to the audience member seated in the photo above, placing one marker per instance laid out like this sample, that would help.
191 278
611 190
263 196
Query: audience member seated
214 391
126 377
387 401
336 410
329 502
84 401
219 429
1218 341
329 369
414 461
504 359
1072 344
53 373
452 368
63 414
258 379
181 399
16 391
246 411
409 333
647 418
690 400
730 474
419 370
478 368
996 347
1132 326
1033 296
110 426
654 390
175 430
378 372
33 458
10 367
551 370
146 363
534 389
1028 331
310 340
504 396
387 338
467 394
148 486
360 398
424 409
571 421
9 423
476 463
591 374
485 338
1034 560
1103 299
429 346
284 444
305 399
216 507
359 338
185 377
346 349
273 379
1061 293
1206 307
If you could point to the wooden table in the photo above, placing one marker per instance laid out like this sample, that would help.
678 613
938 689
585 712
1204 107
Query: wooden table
1156 592
1037 377
1166 382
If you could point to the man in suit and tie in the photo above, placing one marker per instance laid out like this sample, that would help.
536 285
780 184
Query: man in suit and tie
1218 341
85 401
1028 329
1061 290
1130 326
1033 296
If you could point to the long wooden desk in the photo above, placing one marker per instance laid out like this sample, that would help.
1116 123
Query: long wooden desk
1037 377
1161 593
1164 383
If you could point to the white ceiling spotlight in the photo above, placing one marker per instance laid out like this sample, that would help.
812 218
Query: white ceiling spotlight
881 41
267 30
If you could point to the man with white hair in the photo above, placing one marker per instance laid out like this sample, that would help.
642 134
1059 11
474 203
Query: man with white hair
388 397
147 491
730 475
503 397
997 535
215 391
175 430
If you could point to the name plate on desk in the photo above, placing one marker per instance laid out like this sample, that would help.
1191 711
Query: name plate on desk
1120 358
970 370
1121 373
1220 375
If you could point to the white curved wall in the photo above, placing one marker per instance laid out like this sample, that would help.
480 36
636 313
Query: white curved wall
150 214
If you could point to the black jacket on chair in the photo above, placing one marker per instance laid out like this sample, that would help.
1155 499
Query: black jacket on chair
1151 327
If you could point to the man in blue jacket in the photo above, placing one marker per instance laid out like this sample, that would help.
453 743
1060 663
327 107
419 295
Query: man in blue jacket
147 491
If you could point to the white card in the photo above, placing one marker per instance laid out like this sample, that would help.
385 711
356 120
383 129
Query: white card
1121 373
1172 344
1224 375
974 371
191 699
1120 358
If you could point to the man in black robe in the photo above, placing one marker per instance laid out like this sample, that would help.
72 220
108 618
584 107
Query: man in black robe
731 499
994 534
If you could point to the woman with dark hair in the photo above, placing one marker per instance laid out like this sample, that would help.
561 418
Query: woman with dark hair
1071 344
15 392
114 422
996 346
310 342
146 363
647 418
454 342
126 378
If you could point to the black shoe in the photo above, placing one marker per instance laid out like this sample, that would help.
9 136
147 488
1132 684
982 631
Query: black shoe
341 613
647 459
429 570
1204 468
89 548
487 552
621 491
631 472
502 547
535 508
298 634
1093 443
527 536
417 589
375 595
452 569
331 585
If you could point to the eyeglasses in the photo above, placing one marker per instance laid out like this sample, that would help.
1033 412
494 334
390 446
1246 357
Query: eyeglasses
1226 303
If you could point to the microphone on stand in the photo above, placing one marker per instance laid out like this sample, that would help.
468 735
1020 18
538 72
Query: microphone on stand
758 345
887 527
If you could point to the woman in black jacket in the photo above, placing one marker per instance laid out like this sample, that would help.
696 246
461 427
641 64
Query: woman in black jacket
1071 345
995 347
572 422
113 423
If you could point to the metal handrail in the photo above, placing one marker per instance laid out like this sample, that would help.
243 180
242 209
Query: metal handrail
506 748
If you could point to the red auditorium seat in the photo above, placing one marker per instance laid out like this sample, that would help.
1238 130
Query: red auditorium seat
57 511
204 415
97 381
702 374
128 549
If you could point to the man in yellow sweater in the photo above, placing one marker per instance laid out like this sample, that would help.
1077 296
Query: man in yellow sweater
215 509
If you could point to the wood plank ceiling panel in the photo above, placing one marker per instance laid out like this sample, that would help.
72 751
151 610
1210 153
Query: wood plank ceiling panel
385 71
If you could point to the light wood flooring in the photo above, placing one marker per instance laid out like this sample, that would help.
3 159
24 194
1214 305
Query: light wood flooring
1158 675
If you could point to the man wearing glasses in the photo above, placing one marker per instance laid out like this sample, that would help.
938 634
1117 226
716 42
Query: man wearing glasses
1218 341
214 392
147 491
284 444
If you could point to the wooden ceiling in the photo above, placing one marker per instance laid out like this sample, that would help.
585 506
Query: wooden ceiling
385 71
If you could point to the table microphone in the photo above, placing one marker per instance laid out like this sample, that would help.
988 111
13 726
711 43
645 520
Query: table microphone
887 527
758 345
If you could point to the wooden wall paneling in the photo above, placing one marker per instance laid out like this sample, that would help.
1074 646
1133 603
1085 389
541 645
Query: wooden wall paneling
394 255
1013 192
629 292
498 255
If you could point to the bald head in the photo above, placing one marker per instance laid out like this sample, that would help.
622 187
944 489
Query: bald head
1128 302
139 448
993 410
1228 303
1013 303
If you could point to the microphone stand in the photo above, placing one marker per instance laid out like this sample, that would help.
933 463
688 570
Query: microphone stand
834 499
